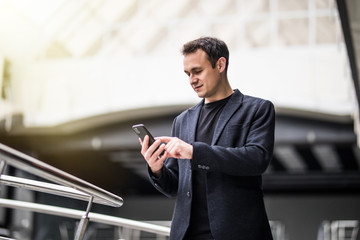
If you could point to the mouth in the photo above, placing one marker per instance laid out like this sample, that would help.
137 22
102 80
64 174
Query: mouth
197 88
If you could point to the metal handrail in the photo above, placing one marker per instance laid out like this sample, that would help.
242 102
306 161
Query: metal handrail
71 186
46 171
39 186
95 217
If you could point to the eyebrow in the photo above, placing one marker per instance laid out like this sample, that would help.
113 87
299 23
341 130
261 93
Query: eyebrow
193 69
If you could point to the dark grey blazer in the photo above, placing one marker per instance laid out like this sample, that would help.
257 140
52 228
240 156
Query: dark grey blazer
240 152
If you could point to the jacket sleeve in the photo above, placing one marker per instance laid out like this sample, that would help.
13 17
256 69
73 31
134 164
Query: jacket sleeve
248 159
167 183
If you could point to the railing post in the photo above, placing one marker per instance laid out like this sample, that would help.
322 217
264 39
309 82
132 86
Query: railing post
2 166
80 232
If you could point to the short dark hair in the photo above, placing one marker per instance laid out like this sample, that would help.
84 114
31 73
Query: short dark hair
214 48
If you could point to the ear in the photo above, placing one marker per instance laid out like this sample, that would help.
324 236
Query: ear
221 64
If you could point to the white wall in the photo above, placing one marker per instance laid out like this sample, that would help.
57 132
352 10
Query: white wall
302 78
74 59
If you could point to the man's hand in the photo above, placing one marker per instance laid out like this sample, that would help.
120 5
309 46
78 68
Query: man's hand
151 156
177 148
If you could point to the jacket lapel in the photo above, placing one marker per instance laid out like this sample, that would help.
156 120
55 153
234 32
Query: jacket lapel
194 114
230 108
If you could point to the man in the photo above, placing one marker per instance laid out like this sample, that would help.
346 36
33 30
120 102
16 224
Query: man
219 150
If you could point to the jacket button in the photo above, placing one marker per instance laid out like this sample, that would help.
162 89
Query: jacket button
188 194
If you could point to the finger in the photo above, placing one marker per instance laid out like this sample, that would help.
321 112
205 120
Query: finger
162 159
160 150
159 153
164 139
144 144
170 149
175 148
154 146
151 156
156 160
170 145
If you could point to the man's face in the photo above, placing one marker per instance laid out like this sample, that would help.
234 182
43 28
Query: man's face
204 79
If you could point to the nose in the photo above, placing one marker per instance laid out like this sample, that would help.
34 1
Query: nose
192 79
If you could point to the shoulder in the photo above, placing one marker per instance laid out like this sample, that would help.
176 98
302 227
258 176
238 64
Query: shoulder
251 101
258 102
185 119
189 111
252 106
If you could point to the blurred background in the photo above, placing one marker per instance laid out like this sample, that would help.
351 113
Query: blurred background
76 75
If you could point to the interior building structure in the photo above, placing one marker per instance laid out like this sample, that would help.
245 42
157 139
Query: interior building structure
76 75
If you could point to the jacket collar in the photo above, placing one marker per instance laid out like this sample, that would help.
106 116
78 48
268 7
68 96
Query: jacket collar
230 108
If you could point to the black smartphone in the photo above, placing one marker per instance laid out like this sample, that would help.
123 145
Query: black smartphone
142 131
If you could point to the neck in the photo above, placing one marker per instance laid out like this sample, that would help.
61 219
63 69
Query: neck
222 93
